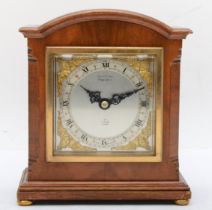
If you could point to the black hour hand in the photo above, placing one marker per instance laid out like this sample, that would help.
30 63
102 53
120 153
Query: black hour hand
118 97
95 96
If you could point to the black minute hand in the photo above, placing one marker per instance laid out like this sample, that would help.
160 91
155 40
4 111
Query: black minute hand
118 97
95 96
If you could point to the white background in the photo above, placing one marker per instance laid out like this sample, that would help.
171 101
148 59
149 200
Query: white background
196 89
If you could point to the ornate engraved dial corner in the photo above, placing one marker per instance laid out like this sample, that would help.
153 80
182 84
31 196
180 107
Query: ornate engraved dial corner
66 141
140 141
66 67
142 67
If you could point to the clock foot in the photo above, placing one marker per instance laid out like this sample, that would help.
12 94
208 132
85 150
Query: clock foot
182 202
24 203
31 191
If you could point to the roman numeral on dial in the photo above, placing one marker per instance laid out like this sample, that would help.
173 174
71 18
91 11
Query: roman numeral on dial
106 64
104 142
85 69
139 84
124 70
84 137
65 103
69 123
139 123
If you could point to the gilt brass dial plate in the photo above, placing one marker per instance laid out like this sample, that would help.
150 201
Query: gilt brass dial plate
104 104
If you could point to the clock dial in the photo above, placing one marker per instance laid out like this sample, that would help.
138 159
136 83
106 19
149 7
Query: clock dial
104 104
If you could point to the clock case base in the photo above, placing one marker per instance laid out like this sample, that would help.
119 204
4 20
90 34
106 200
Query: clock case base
102 190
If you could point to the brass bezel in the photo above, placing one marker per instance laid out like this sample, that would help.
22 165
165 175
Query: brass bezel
52 51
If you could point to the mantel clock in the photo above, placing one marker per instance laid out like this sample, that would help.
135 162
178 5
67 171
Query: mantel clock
103 109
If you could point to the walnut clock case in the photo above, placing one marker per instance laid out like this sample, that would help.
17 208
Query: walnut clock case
103 109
